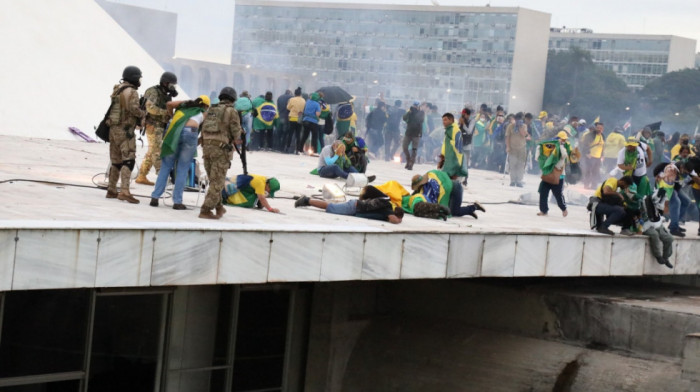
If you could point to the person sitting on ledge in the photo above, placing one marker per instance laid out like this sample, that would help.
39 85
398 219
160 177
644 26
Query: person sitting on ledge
250 191
373 204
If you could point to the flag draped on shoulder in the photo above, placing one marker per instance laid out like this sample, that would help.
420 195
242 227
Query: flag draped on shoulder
452 151
172 134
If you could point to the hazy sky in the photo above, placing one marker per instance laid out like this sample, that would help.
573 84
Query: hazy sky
669 17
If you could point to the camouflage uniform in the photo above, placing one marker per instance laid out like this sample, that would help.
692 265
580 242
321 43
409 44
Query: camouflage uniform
220 130
156 119
123 118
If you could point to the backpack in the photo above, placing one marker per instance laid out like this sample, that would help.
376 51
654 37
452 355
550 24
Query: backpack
102 130
328 126
345 112
267 113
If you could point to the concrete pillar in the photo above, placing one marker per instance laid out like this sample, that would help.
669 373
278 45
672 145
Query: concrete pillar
690 366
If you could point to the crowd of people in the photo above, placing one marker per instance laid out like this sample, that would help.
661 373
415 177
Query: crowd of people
623 169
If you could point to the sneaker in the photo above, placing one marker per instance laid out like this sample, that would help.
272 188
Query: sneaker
111 194
479 206
154 202
677 233
303 201
473 215
143 180
371 178
604 230
125 196
179 207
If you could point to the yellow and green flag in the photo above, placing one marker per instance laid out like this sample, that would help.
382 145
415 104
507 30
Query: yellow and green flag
172 134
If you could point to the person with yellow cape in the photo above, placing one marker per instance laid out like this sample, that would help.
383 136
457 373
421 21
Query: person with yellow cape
553 154
179 147
451 156
250 190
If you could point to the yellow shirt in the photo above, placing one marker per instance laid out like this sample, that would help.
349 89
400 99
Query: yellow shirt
353 120
613 144
597 146
257 183
611 182
296 108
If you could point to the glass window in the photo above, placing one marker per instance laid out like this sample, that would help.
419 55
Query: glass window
260 340
59 386
43 331
126 344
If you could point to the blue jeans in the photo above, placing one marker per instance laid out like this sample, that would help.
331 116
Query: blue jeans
186 148
334 171
344 208
545 187
456 208
247 125
677 206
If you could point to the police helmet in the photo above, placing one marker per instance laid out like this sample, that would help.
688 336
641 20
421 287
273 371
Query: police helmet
228 93
168 77
132 74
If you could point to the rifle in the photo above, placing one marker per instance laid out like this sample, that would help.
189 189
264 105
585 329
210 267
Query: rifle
241 151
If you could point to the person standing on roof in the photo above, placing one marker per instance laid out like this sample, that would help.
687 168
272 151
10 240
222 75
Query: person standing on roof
124 115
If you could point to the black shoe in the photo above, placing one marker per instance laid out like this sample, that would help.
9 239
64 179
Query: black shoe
677 233
371 178
668 263
303 201
661 260
154 202
464 182
604 230
479 206
473 215
519 184
179 207
681 229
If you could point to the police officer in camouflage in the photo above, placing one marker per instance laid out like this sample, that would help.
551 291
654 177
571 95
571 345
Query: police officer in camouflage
220 130
156 98
125 114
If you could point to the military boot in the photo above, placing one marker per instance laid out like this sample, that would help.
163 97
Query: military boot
205 213
143 180
125 195
112 186
220 211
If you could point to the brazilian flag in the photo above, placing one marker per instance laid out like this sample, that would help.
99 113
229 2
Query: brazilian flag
172 134
452 151
550 153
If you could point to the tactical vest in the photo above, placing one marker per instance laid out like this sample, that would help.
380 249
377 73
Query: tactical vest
214 126
117 112
160 100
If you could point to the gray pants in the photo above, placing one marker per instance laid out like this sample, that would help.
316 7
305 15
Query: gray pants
661 242
517 159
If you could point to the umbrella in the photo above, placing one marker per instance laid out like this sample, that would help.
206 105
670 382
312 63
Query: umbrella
334 94
654 126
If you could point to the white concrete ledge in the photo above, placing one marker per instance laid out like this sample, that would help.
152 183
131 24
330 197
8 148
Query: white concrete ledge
72 258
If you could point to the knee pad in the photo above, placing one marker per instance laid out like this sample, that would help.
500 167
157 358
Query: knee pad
130 164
